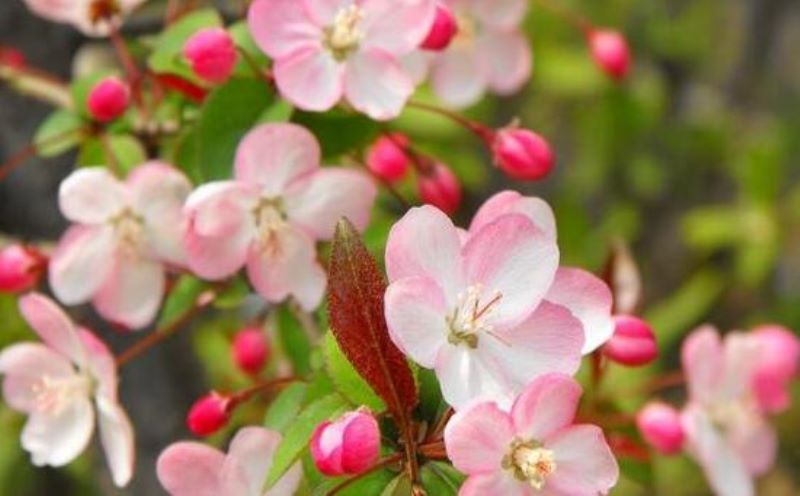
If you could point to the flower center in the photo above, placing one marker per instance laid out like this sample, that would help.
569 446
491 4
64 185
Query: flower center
724 415
469 318
344 35
103 10
270 218
530 462
52 395
129 230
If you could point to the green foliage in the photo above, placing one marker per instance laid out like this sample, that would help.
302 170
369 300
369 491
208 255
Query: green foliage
59 133
339 131
441 478
347 381
122 151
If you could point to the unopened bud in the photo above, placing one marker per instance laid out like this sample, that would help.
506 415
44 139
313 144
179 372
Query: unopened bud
440 187
610 52
443 29
208 414
660 425
108 99
522 154
633 342
387 158
20 268
212 54
348 445
250 350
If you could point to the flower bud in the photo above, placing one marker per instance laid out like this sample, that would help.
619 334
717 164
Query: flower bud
440 188
633 342
349 445
208 414
212 54
778 364
250 350
443 30
12 57
108 99
660 425
20 268
387 157
610 52
522 154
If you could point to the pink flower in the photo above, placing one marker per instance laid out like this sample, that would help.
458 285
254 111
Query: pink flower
440 187
489 309
194 469
726 432
779 350
269 217
325 50
108 99
123 235
20 268
660 425
92 17
533 449
610 52
348 445
212 54
488 53
633 342
250 350
63 385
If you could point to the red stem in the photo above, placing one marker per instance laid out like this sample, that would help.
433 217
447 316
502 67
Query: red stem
477 128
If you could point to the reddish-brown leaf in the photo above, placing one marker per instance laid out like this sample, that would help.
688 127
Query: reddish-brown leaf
356 289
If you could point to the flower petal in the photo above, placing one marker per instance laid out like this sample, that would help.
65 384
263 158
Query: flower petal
501 14
497 483
81 263
755 441
132 293
310 78
324 11
317 201
396 26
507 60
457 78
415 313
24 365
251 450
91 195
701 356
116 436
58 439
511 202
478 437
547 405
282 27
53 326
513 257
590 301
376 84
101 364
191 469
584 462
465 376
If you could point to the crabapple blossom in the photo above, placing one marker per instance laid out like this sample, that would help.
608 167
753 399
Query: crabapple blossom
212 54
65 384
726 431
250 350
633 342
209 414
20 268
325 51
387 157
348 445
194 469
610 52
440 187
533 447
92 17
522 154
123 236
443 29
108 99
489 309
489 52
269 217
660 425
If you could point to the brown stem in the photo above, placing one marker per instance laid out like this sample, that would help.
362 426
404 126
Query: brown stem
38 84
477 128
441 422
433 450
20 157
383 463
262 387
108 151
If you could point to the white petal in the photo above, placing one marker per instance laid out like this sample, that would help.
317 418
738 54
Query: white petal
132 293
56 440
415 313
91 195
116 436
457 78
53 326
311 79
81 263
376 84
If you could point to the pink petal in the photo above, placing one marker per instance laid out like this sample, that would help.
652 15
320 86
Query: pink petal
396 26
317 201
417 65
285 264
282 27
513 257
415 313
288 484
191 469
58 439
546 406
507 60
81 262
740 357
501 14
250 453
589 299
116 436
53 10
101 364
457 78
324 11
376 84
425 243
132 293
755 441
701 356
158 193
465 376
585 464
311 79
24 365
478 437
511 202
496 483
53 326
91 195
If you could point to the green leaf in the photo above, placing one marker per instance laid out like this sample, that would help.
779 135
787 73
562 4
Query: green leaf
338 131
123 150
182 297
347 381
285 407
233 295
431 404
61 131
440 478
294 341
372 483
298 433
399 486
167 56
638 471
240 32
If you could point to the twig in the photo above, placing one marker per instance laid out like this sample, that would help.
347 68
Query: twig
20 157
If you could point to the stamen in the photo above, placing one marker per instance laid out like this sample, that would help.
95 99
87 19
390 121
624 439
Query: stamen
530 462
343 36
52 395
468 318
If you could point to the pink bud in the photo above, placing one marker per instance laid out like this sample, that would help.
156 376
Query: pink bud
610 52
522 154
108 99
443 30
440 188
208 414
633 342
660 425
212 54
349 445
387 157
779 356
250 350
20 268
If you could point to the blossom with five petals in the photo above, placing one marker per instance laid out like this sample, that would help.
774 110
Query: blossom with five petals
92 17
534 448
64 384
269 217
195 469
489 309
124 233
328 49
